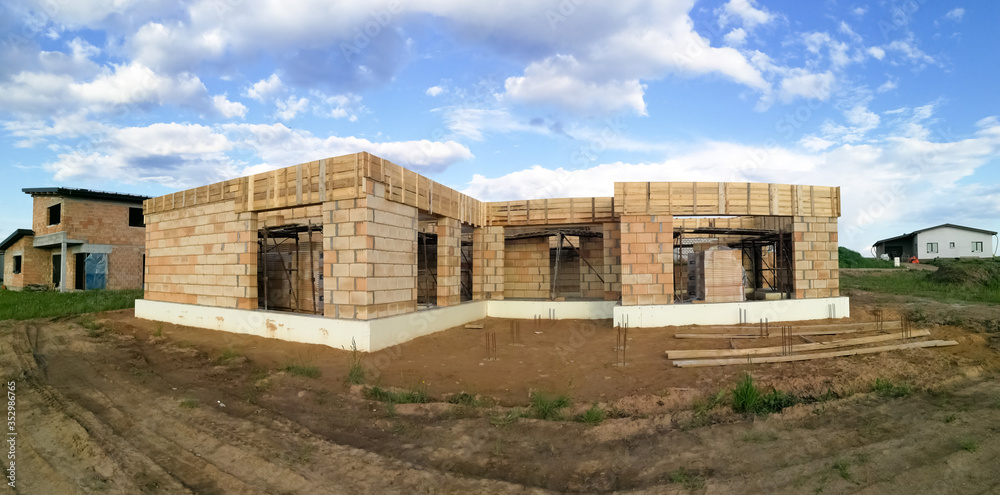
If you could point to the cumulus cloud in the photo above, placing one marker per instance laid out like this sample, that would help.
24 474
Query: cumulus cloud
889 85
800 83
956 14
434 91
884 182
745 11
229 109
279 146
288 109
736 37
265 88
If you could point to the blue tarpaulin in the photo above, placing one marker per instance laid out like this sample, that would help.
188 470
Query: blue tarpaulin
96 271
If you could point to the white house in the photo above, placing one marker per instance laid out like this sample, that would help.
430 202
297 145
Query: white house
943 241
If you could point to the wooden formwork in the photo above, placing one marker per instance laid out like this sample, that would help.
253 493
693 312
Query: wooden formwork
725 198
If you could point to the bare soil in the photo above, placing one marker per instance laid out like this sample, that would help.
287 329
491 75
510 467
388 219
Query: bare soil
142 407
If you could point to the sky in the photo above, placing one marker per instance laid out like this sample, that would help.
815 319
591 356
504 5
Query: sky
896 102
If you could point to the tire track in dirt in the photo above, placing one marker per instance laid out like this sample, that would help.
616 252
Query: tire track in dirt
122 434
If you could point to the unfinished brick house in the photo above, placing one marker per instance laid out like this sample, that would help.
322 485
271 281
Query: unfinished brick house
79 240
356 248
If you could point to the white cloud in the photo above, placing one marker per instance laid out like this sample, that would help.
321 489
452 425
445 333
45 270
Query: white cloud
884 183
744 10
434 91
278 146
876 52
956 14
889 85
340 106
736 37
800 83
553 82
227 108
172 154
859 11
288 109
265 88
815 143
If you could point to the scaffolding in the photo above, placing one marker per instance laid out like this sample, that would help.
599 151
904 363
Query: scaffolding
275 244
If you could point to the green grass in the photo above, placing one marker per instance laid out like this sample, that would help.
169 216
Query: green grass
843 468
93 328
885 388
748 399
414 396
302 369
548 408
853 259
969 445
501 419
465 399
690 480
189 403
593 416
356 373
228 355
26 305
954 281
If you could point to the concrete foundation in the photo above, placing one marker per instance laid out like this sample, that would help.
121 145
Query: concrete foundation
732 313
381 333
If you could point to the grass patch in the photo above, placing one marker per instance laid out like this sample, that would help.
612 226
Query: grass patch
465 399
885 388
690 480
228 355
853 259
969 445
593 416
93 328
548 408
16 305
302 369
189 403
501 419
748 399
843 468
356 373
954 281
414 396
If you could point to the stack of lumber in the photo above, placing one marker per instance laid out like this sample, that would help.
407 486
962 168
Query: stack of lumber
717 275
725 357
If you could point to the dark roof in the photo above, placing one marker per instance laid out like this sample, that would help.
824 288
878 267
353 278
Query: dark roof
915 232
84 194
11 239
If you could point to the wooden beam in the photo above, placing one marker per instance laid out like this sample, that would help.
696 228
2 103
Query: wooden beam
716 353
695 363
830 326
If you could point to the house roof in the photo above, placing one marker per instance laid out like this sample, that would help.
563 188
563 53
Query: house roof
84 194
11 239
915 232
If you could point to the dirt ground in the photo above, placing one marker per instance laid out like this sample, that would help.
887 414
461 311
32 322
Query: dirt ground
132 406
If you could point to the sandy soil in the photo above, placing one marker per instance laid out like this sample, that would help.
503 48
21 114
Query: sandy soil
140 407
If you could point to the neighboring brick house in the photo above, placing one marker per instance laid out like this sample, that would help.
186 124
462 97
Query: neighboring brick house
80 239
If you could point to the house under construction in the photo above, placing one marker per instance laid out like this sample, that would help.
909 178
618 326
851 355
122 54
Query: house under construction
356 248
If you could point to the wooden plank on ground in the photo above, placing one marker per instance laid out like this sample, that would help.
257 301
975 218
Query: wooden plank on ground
695 363
751 327
718 353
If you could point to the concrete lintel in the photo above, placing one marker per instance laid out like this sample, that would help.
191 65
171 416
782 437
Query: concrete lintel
733 313
53 240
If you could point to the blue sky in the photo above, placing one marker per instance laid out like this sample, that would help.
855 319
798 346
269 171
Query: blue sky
894 101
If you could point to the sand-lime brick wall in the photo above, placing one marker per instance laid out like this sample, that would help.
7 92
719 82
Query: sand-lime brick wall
370 256
647 259
612 260
816 263
204 254
526 268
592 252
488 263
449 268
36 265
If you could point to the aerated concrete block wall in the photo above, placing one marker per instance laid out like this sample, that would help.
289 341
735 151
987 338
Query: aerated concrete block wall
488 263
816 263
449 267
205 254
370 256
612 260
592 252
647 259
526 268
